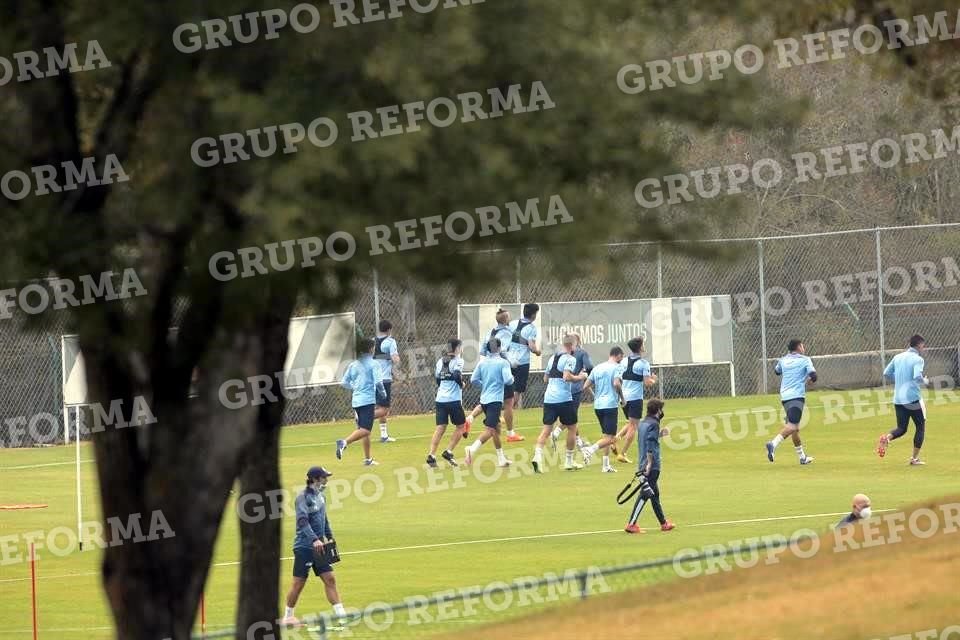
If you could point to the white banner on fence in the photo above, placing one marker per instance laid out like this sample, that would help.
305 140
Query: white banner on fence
694 330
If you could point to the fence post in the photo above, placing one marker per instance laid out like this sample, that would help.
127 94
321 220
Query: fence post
883 350
660 295
516 264
582 584
763 316
376 300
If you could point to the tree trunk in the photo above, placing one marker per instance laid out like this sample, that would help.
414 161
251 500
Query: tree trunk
260 539
175 473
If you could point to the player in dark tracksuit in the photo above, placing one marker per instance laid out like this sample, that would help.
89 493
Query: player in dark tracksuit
313 531
648 441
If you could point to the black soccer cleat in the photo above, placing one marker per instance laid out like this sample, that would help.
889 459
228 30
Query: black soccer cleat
446 455
432 461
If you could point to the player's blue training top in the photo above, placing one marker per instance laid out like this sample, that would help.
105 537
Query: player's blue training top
558 390
363 378
906 371
502 333
794 369
449 390
520 353
633 389
491 375
648 441
312 523
604 395
583 364
389 347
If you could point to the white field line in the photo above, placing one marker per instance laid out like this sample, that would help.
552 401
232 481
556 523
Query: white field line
542 536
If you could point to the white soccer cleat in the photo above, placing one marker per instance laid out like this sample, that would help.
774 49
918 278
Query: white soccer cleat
608 470
572 466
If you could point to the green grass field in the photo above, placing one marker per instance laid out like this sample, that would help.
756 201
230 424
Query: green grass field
496 528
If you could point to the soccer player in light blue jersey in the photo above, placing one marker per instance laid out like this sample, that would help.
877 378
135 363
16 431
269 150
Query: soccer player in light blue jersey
631 378
794 370
387 356
606 400
502 333
449 402
363 379
491 375
523 342
558 404
906 373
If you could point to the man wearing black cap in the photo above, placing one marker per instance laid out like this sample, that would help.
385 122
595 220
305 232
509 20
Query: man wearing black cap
313 530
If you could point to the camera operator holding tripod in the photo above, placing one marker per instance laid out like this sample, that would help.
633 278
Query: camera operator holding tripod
648 440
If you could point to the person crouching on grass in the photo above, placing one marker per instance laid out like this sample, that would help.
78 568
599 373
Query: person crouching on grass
648 440
313 531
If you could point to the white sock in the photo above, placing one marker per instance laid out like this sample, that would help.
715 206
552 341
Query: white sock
777 439
288 612
538 454
800 452
383 430
339 610
556 432
475 446
593 448
569 457
606 462
510 432
500 456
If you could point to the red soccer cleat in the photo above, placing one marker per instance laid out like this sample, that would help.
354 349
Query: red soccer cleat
515 438
632 528
882 445
667 526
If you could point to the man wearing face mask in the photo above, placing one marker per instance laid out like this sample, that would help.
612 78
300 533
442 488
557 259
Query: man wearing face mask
313 531
648 439
861 511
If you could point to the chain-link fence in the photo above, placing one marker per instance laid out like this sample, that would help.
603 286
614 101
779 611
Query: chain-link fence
456 609
853 297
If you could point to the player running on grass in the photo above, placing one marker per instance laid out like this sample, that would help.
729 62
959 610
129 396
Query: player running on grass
363 379
630 380
491 375
649 433
794 369
313 531
558 404
606 401
906 372
576 387
449 402
502 333
523 342
387 355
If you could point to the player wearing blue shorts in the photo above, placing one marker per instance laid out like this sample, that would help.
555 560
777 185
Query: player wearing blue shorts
576 387
523 342
633 375
502 333
491 375
313 532
449 402
363 379
387 355
794 368
606 401
558 404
